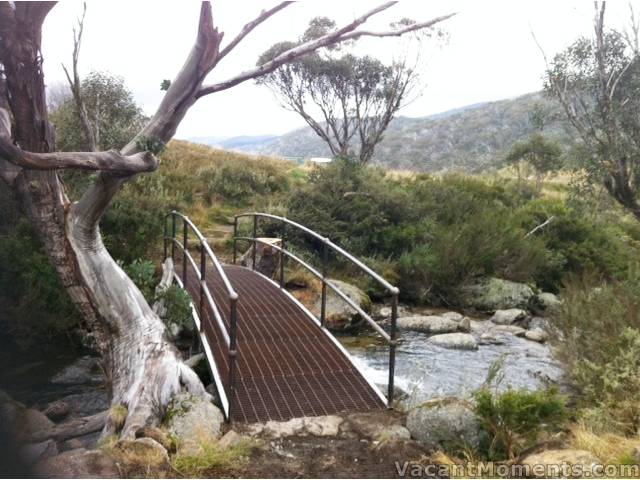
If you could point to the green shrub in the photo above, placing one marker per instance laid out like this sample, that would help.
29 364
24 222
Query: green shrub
34 306
177 306
599 324
514 419
235 182
143 274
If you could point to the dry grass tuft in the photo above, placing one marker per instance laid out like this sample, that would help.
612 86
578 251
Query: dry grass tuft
608 447
211 460
117 417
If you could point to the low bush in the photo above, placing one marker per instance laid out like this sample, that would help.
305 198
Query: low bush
599 328
514 419
177 306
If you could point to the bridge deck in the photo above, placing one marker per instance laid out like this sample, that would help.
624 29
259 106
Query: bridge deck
287 366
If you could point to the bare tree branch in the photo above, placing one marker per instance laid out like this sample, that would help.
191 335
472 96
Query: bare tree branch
541 226
248 28
108 161
345 33
76 86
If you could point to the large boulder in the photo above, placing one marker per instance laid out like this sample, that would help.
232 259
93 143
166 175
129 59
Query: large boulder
31 453
339 315
194 421
267 257
491 294
545 304
445 423
509 316
430 324
536 335
85 370
142 453
79 463
456 341
560 463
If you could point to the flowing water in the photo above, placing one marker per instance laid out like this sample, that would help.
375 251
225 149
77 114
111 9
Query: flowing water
426 371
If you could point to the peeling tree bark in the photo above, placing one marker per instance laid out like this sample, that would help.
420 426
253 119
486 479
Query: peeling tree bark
142 367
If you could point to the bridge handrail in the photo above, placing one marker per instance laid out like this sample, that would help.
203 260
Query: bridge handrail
389 337
205 294
339 292
390 288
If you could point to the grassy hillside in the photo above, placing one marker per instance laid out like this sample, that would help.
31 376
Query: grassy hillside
470 139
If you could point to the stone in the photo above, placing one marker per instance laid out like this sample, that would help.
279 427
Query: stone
339 315
31 453
229 440
156 434
57 410
143 453
375 427
465 325
445 423
324 426
34 421
536 335
509 316
267 257
85 370
428 324
193 421
550 463
193 361
275 429
512 329
452 316
540 322
491 338
456 341
79 463
88 402
491 294
545 303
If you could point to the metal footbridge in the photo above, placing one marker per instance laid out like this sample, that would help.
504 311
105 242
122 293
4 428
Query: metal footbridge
270 357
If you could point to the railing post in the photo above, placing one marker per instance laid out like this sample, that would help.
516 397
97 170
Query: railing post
282 255
235 235
203 280
185 232
232 353
255 244
173 239
323 305
392 349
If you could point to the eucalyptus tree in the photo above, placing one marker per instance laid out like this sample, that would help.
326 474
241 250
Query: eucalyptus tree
143 369
347 100
597 82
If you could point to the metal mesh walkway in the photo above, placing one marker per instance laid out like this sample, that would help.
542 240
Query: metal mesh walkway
287 366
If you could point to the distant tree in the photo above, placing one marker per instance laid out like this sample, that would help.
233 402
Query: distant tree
597 81
114 116
537 152
347 100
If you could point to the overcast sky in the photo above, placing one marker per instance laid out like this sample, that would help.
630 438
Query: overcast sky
490 55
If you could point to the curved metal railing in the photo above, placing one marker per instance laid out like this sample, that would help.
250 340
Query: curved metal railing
327 244
229 337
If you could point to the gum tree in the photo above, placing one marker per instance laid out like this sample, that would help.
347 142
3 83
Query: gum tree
597 82
143 369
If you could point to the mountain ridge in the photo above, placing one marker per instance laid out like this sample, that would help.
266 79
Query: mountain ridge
472 138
